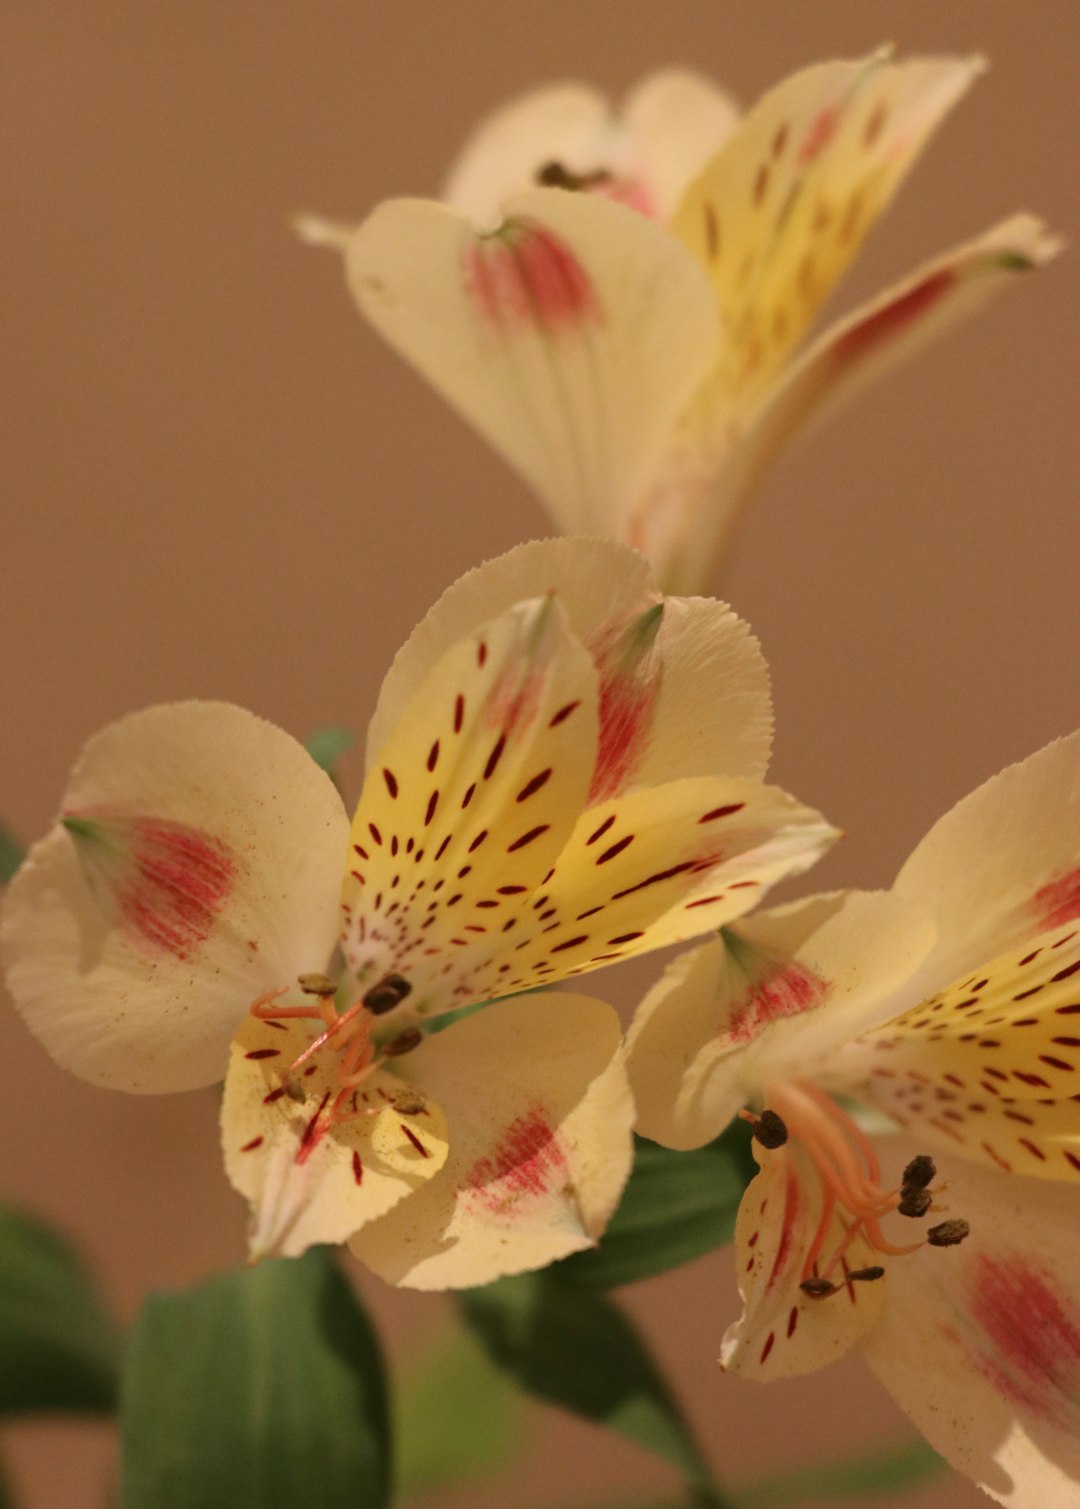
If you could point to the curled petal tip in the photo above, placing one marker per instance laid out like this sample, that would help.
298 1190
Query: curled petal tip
317 231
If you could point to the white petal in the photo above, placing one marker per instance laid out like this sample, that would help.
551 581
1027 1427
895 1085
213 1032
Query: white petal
784 1332
201 867
980 1344
308 1183
571 338
675 120
712 714
772 999
565 123
1003 865
539 1111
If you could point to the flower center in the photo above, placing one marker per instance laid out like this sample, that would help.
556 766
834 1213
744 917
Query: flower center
348 1042
851 1185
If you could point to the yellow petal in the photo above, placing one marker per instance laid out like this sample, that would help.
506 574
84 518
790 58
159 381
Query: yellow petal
784 1332
782 209
468 805
307 1181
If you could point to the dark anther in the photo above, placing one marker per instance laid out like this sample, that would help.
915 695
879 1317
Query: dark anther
405 1042
409 1103
554 175
918 1174
293 1088
770 1130
948 1233
914 1202
817 1288
387 993
865 1275
317 985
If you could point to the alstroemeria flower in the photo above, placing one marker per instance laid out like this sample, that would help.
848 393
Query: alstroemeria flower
950 1006
634 347
564 768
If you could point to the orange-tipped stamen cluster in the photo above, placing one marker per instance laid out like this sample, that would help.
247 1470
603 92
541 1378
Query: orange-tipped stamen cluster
346 1034
851 1185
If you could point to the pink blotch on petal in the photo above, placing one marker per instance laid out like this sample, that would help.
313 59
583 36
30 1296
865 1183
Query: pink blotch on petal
526 1163
632 192
1033 1334
789 992
893 319
1058 901
630 672
526 276
169 881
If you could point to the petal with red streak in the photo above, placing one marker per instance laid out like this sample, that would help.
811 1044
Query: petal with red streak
539 1114
196 865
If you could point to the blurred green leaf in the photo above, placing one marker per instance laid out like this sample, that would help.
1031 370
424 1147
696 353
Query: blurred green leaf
895 1470
676 1207
456 1418
59 1348
576 1349
327 745
258 1388
11 856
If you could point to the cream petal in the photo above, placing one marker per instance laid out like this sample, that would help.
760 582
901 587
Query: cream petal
712 712
1003 865
308 1181
571 338
784 1332
565 123
468 805
674 121
980 1344
199 866
539 1112
772 999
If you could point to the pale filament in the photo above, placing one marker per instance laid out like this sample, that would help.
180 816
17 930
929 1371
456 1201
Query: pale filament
848 1169
351 1031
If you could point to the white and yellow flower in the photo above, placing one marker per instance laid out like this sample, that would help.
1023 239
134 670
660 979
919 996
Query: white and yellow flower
634 349
950 1007
564 768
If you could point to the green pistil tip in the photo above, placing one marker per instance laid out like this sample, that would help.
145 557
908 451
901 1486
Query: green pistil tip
1013 261
81 827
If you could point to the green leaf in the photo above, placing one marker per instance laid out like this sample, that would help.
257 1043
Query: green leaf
327 745
259 1388
11 856
676 1207
59 1348
576 1349
455 1419
891 1471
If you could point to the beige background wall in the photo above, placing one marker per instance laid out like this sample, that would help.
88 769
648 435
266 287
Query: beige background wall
218 483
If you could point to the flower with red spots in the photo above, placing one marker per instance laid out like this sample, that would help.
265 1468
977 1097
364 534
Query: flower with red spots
564 768
618 302
949 1009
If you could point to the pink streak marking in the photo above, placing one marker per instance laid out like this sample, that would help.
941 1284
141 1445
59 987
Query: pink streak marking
1058 901
793 990
633 192
893 319
788 1221
629 688
527 277
821 132
173 882
1033 1329
527 1161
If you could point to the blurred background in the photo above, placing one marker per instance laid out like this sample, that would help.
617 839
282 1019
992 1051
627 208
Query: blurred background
220 484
